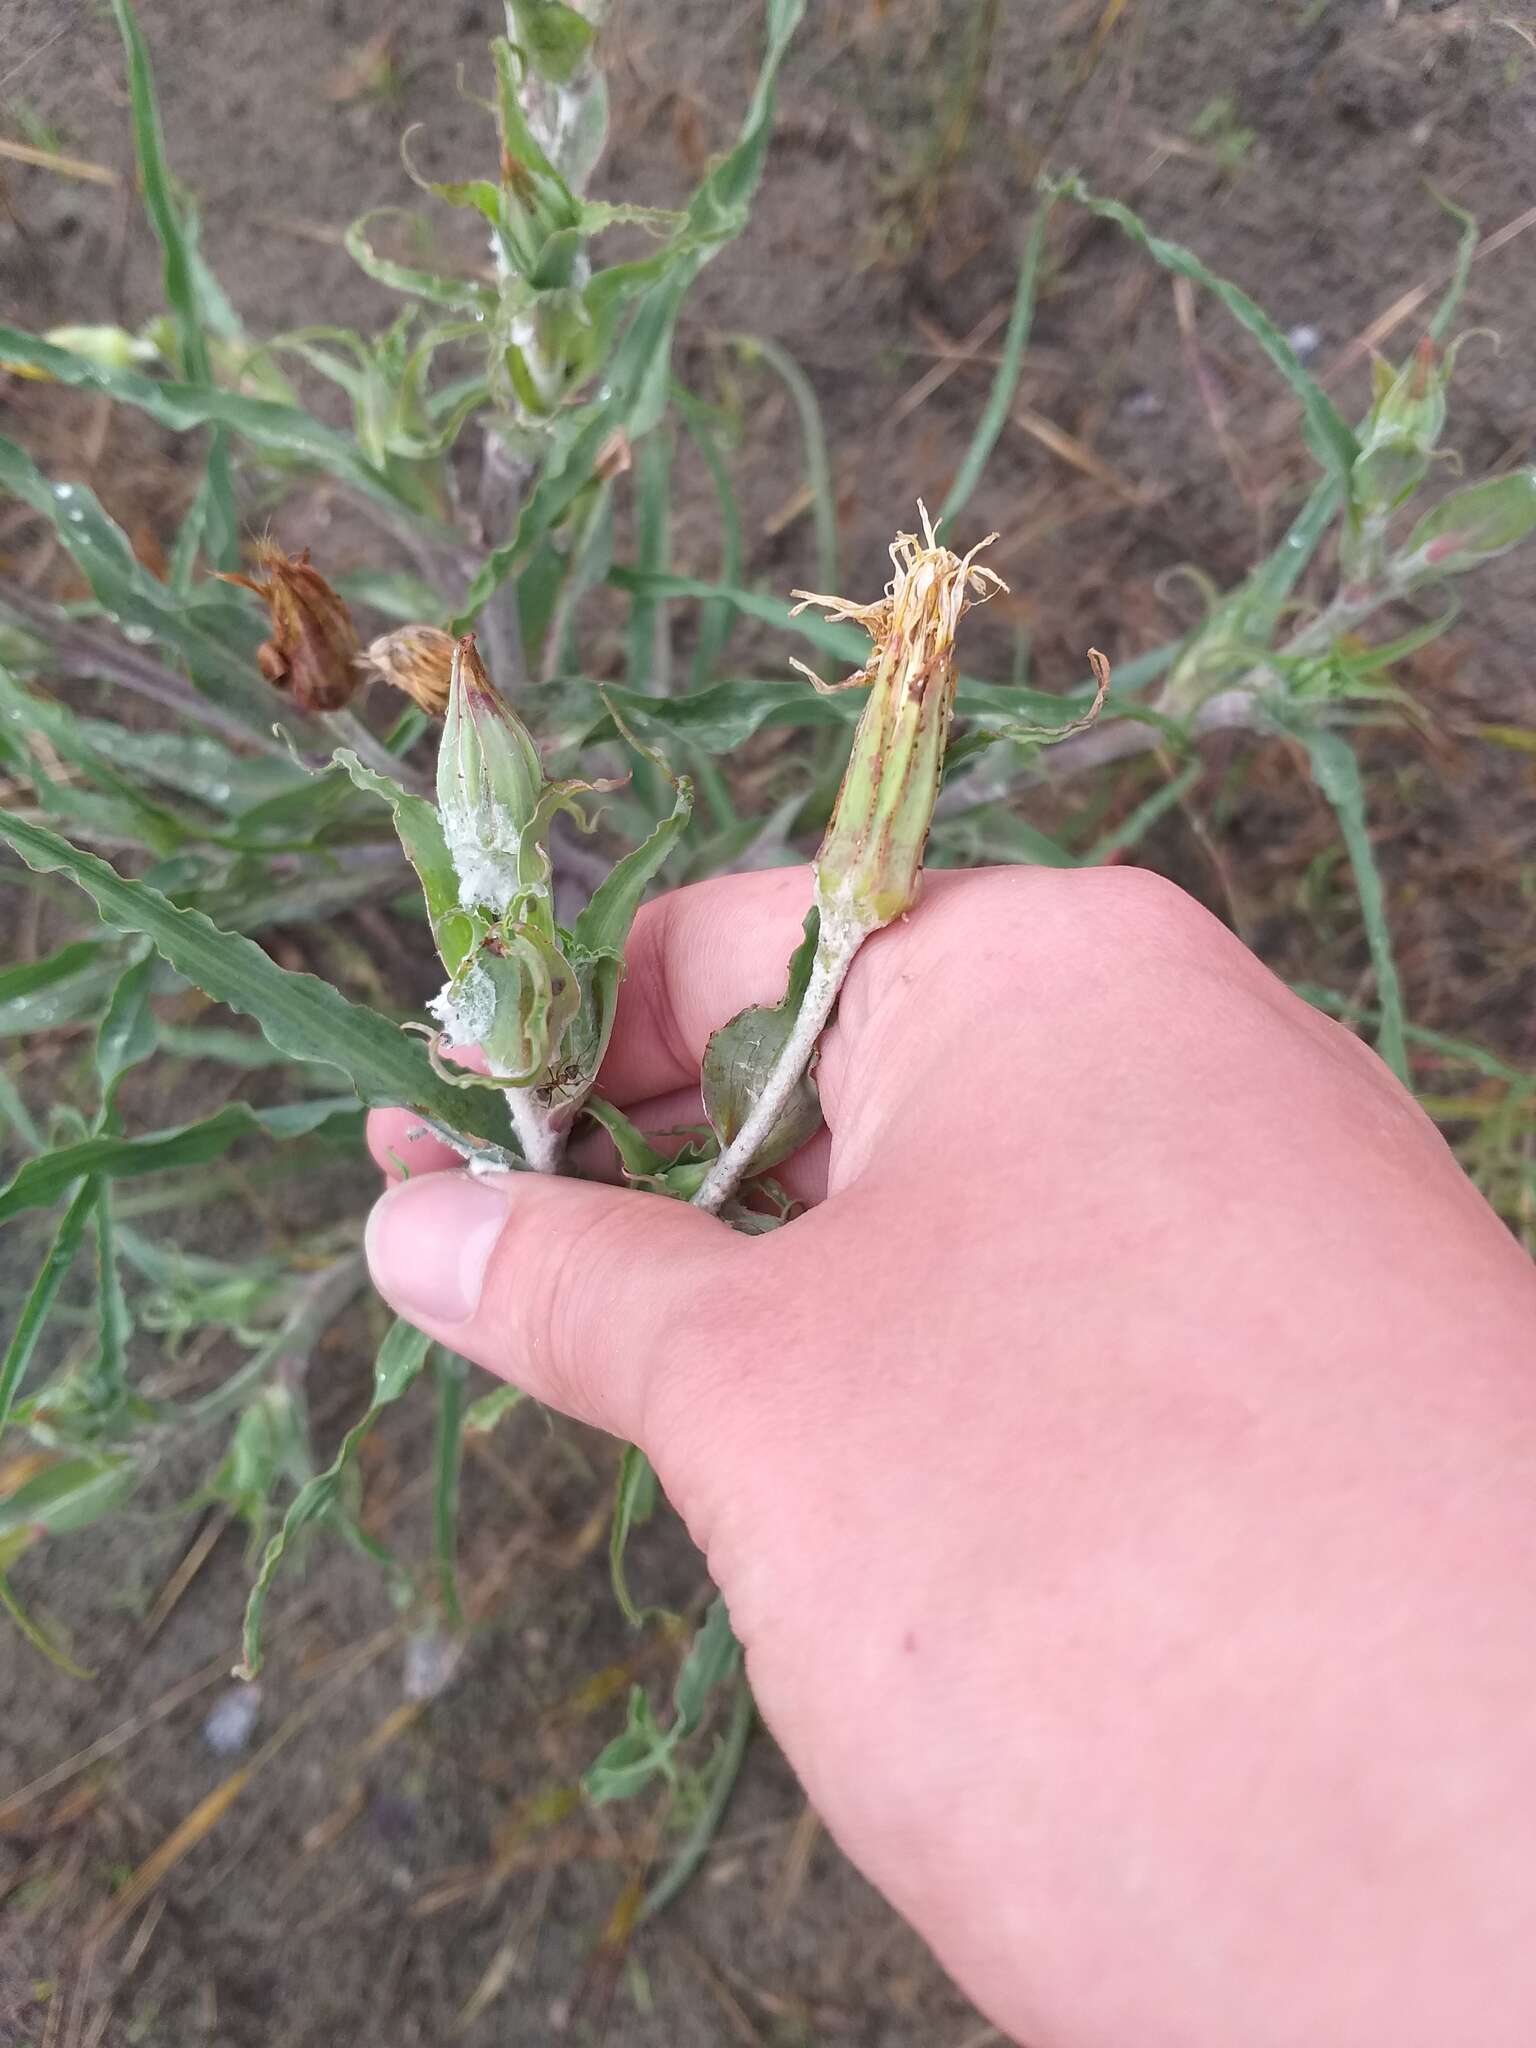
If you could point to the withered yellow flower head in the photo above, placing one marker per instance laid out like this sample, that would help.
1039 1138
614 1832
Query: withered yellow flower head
418 660
871 858
312 652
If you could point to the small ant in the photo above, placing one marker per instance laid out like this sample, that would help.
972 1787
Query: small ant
562 1081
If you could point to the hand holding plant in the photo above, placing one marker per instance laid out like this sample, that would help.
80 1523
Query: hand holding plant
1093 1414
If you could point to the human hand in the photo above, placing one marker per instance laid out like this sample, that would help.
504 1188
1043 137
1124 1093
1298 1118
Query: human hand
1123 1479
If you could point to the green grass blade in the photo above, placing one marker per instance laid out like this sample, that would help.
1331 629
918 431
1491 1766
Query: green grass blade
138 602
1328 434
42 1181
44 1292
302 1016
284 432
634 1502
106 1382
715 616
401 1358
1136 826
1337 774
818 464
182 274
14 1111
723 1771
36 1636
448 1450
648 667
1006 381
1466 249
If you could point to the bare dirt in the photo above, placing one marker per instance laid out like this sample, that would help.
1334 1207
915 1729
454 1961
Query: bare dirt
348 1893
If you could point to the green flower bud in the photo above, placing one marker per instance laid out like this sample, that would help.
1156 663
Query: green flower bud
870 861
1402 432
489 784
1476 524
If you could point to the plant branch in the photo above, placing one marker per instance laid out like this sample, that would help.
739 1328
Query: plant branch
835 953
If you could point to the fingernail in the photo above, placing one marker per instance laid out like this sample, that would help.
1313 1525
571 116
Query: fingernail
429 1242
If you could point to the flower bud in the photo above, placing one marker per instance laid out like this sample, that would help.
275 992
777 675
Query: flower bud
489 784
1476 524
312 652
871 858
418 660
1403 430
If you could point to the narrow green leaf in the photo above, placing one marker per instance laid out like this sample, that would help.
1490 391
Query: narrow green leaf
137 601
714 1656
302 1016
105 1382
818 464
182 278
720 1781
31 976
43 1180
1466 249
36 1636
1133 828
742 1055
634 1502
1005 381
283 432
1337 773
44 1292
448 1450
127 1032
1328 434
647 667
70 1495
714 625
14 1111
401 1358
421 835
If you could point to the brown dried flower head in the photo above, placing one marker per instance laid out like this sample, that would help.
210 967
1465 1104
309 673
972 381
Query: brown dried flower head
312 653
418 660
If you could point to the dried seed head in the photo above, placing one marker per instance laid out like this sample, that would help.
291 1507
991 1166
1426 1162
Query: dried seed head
312 652
871 858
418 660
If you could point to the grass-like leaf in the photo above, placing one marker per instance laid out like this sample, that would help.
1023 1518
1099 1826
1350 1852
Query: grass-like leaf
1337 774
43 1180
302 1016
183 276
401 1358
1328 433
284 432
44 1292
818 464
1006 380
634 1502
447 1454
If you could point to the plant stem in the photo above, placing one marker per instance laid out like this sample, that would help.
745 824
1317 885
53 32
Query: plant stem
539 1133
840 941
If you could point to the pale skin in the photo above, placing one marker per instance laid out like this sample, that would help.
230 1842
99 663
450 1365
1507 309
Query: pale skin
1123 1477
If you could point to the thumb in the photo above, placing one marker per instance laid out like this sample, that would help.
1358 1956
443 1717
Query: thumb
576 1292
